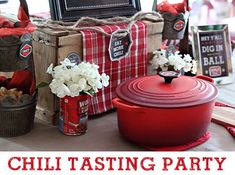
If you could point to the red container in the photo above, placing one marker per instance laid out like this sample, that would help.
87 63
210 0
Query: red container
73 115
155 113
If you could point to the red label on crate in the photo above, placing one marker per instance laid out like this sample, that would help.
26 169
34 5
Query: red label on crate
179 25
25 50
74 58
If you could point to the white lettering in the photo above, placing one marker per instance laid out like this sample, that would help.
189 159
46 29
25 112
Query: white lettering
117 43
219 48
207 49
116 54
118 48
205 38
213 60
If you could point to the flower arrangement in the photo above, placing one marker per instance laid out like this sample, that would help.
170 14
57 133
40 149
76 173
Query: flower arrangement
174 61
71 79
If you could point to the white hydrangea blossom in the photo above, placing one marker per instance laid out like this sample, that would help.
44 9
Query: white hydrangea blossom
105 80
67 63
175 60
50 69
188 67
159 59
70 79
187 58
59 88
194 67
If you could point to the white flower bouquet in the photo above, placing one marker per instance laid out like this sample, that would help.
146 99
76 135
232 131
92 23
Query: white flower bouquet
174 61
71 79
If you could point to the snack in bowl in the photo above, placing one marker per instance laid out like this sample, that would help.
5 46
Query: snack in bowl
13 97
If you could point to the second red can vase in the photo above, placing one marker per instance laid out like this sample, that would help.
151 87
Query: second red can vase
73 115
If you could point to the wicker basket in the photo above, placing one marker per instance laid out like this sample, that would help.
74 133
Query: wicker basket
17 120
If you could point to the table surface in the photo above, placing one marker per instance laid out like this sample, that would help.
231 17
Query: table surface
103 134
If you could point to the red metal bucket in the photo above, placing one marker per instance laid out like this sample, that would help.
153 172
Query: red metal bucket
73 115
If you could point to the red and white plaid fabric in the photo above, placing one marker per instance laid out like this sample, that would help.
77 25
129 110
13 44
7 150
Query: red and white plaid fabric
95 50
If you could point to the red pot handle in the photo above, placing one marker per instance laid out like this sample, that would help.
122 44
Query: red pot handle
118 103
209 79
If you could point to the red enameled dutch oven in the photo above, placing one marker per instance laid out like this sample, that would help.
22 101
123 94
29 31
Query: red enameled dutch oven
161 113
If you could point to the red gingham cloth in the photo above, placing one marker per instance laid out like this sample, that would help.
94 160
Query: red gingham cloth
95 50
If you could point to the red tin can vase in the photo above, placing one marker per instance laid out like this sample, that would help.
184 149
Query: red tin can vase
73 115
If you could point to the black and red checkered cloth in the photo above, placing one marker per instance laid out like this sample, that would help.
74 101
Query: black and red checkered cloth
95 50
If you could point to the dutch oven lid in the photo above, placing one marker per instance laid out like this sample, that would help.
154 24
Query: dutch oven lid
154 91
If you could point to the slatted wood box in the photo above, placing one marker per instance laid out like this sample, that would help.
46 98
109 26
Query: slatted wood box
51 46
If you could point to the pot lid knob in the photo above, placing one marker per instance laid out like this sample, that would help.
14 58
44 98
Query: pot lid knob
169 75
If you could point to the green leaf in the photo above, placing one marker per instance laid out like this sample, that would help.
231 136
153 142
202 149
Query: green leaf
91 92
41 85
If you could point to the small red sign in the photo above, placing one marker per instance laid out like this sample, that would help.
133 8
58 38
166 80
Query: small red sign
215 71
26 50
179 25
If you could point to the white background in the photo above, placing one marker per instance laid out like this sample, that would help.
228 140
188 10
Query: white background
157 157
37 6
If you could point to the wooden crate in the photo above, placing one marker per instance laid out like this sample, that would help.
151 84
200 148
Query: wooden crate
51 46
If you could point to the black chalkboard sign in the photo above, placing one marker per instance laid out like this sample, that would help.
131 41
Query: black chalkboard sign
213 52
70 10
212 48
